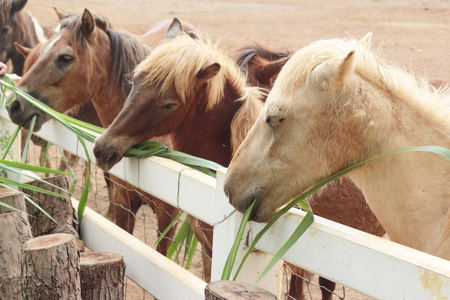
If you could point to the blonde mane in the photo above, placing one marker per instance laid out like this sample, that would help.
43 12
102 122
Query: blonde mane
431 102
177 61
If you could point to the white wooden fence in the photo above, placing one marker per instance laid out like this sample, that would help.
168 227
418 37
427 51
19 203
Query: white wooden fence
373 266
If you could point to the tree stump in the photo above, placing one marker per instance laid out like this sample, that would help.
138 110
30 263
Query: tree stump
60 208
50 268
16 230
14 199
102 276
232 290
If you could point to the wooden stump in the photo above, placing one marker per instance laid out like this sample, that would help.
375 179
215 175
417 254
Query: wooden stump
16 230
60 208
14 199
50 268
232 290
102 276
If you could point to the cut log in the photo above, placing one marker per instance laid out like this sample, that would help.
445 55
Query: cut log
16 230
232 290
50 268
60 208
14 199
102 276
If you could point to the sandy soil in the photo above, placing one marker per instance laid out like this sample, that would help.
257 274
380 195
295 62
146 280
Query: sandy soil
414 34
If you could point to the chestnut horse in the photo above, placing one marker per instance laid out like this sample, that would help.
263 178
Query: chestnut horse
336 103
88 60
188 89
340 201
17 26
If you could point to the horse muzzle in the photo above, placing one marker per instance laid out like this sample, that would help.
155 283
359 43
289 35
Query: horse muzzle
107 156
21 112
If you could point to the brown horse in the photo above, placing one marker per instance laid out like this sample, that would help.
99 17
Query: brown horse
85 60
17 26
341 201
190 90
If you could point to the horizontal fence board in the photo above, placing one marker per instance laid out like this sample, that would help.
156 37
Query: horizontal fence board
157 274
371 265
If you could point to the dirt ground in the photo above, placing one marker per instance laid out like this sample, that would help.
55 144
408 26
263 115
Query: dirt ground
414 34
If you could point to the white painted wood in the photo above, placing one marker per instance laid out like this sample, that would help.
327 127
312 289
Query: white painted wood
155 273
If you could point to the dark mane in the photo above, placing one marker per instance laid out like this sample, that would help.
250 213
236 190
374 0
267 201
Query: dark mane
126 49
244 55
126 52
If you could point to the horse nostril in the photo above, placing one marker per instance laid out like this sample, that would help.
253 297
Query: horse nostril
112 158
15 108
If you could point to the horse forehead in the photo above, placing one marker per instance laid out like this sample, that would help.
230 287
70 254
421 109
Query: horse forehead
51 43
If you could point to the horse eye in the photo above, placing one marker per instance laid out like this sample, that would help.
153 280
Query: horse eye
5 29
170 105
65 58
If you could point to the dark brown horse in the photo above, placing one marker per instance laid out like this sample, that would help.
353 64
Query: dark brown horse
17 26
85 60
188 89
341 201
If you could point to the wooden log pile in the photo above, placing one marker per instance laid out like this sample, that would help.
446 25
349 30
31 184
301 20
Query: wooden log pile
51 265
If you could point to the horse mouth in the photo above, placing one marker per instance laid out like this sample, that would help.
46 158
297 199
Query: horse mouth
38 123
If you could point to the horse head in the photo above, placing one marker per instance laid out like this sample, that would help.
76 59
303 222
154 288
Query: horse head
163 84
68 68
307 130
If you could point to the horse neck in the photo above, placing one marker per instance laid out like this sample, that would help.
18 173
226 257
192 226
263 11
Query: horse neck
408 192
108 103
206 133
112 88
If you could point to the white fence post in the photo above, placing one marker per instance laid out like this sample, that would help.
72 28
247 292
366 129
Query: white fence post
224 236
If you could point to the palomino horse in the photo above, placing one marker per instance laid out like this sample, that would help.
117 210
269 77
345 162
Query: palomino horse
188 89
336 103
88 60
16 26
340 201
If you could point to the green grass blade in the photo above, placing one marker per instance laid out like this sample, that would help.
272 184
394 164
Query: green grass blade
30 175
31 201
192 248
85 194
302 227
32 168
178 239
27 142
9 206
171 225
228 267
11 182
11 141
73 175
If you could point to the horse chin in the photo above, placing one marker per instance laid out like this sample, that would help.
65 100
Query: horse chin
40 120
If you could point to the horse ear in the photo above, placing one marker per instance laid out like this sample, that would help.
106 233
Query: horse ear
17 5
194 35
22 49
87 22
208 72
60 13
269 72
335 70
175 28
366 41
